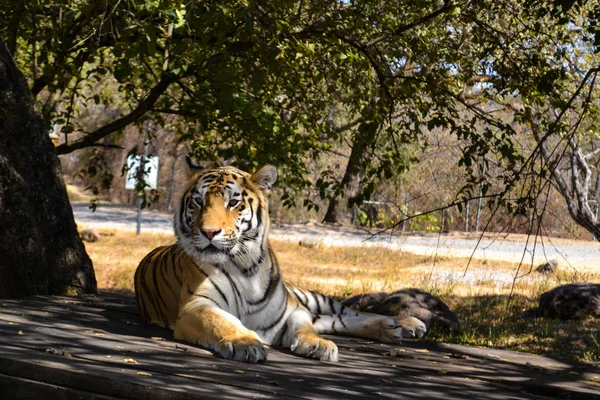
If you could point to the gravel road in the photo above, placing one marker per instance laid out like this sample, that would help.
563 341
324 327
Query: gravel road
580 255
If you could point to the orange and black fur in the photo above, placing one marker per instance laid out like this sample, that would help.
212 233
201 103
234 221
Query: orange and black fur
220 285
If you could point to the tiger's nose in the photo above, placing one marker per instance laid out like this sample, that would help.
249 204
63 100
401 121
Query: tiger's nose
210 233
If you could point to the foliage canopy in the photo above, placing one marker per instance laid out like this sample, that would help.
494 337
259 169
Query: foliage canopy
285 81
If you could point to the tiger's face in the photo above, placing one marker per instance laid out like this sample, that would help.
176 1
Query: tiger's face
224 215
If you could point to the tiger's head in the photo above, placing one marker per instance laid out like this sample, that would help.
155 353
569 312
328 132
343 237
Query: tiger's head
224 216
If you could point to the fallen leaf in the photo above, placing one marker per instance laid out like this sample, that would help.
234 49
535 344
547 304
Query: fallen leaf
395 351
443 371
20 333
157 338
239 371
575 373
422 351
273 382
144 373
130 361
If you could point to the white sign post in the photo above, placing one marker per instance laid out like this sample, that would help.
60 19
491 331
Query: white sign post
149 175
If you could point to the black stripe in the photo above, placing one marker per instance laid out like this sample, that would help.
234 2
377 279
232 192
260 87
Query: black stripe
292 291
219 290
250 203
305 302
274 280
342 322
331 305
215 285
236 292
278 320
148 262
157 290
183 214
140 273
259 214
316 297
342 312
177 268
281 334
164 273
253 270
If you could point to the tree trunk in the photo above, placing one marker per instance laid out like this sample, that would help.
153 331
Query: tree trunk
40 249
338 210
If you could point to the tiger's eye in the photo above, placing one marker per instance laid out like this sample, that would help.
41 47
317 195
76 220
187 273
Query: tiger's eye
233 203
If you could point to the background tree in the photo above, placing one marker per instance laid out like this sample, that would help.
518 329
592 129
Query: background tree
287 82
40 250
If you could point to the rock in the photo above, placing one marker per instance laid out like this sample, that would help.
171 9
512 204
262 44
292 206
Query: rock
310 243
89 235
573 301
407 302
547 267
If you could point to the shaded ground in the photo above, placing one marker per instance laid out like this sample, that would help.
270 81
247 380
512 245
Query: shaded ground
579 255
58 347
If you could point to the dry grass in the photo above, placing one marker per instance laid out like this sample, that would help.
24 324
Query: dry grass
479 297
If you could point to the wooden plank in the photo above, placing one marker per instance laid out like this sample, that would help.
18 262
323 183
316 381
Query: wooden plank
15 388
196 364
98 378
320 380
528 372
101 332
377 357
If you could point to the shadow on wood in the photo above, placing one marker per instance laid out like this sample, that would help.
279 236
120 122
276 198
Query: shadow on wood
97 346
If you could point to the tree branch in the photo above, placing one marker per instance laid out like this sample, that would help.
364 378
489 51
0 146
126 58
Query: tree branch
419 21
13 27
145 105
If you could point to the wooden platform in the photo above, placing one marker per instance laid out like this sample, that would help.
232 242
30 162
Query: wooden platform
97 347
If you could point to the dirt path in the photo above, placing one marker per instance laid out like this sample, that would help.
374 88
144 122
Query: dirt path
579 255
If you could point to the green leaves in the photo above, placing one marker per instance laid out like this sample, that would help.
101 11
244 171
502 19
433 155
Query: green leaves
283 82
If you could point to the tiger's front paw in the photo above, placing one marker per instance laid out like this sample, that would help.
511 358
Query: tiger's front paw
247 349
313 346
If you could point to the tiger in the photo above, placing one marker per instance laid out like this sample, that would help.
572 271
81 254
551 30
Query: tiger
220 285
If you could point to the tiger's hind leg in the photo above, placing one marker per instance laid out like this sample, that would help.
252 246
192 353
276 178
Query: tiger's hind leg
333 317
371 326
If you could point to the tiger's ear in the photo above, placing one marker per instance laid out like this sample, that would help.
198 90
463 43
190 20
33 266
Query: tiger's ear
265 178
192 167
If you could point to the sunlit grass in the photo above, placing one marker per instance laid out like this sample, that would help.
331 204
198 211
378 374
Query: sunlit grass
478 296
